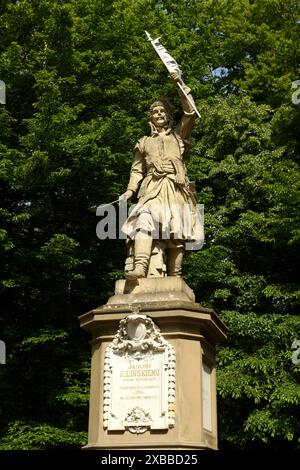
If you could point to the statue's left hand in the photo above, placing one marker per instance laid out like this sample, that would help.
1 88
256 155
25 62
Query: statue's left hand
127 195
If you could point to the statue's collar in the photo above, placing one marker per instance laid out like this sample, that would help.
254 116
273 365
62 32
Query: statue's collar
155 133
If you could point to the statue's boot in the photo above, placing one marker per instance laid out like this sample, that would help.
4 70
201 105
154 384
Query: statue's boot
142 253
175 257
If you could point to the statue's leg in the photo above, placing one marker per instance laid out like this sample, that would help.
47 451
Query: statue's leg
157 265
129 261
174 260
142 252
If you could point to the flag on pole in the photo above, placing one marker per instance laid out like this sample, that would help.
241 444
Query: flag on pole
167 59
171 65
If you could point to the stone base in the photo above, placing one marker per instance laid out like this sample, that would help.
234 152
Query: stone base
193 331
151 289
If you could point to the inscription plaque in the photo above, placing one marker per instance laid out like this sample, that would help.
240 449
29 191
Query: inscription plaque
139 378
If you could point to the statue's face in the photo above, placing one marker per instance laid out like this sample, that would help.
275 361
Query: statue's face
159 116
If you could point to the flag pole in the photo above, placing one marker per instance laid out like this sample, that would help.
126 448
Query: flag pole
171 65
188 99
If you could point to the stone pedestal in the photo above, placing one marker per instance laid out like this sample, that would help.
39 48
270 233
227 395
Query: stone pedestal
192 331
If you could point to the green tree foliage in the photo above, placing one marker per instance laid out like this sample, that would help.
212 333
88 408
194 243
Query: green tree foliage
79 77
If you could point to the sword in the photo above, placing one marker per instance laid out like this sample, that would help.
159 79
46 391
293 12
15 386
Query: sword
94 208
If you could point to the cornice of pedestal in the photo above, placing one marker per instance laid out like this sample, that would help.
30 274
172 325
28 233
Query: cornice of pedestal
168 301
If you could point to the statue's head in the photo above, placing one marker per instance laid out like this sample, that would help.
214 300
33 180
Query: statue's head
160 113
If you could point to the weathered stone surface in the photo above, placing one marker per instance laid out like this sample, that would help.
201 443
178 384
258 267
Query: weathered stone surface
193 332
167 207
151 289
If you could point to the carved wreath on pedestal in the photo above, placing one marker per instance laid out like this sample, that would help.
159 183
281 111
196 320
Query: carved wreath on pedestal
136 416
137 339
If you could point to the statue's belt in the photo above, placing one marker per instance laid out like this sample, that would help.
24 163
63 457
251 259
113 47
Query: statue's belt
159 174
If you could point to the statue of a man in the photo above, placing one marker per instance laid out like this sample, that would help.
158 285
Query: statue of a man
166 216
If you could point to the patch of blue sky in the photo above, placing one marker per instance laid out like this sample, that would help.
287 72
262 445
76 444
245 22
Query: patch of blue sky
220 72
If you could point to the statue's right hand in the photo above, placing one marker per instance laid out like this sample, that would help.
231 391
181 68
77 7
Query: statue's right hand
175 77
127 195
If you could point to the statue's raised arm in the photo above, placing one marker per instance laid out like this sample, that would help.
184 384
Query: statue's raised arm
185 125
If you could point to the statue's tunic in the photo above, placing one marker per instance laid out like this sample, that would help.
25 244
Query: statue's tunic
166 205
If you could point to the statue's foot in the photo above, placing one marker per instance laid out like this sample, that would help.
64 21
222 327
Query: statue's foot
137 273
